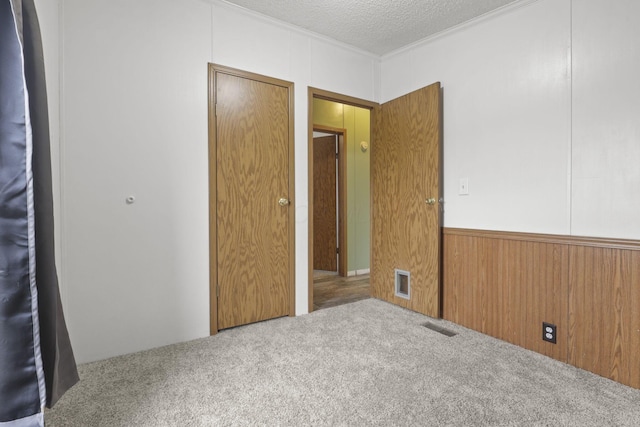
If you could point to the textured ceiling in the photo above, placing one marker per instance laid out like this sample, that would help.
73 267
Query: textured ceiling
377 26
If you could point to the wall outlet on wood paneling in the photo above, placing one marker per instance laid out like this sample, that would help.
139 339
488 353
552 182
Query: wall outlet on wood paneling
549 332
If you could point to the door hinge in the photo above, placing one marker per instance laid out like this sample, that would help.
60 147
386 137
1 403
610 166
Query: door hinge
337 156
217 291
338 251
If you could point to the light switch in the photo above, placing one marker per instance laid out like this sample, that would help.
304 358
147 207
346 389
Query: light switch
463 190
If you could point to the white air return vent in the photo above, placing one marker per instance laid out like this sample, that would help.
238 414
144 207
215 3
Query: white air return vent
403 284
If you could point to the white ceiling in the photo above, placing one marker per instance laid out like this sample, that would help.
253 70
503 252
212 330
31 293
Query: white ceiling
377 26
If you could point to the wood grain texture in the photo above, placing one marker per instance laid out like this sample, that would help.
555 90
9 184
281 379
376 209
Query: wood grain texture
506 289
405 168
342 204
604 298
341 134
253 232
596 242
331 291
325 227
506 284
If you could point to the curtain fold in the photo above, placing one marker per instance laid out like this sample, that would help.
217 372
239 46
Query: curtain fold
36 359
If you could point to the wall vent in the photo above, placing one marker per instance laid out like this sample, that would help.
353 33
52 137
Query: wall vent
439 329
403 284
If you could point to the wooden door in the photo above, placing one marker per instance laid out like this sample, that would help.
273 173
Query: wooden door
325 227
406 213
251 175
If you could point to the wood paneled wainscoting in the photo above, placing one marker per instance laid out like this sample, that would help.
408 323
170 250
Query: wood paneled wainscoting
506 284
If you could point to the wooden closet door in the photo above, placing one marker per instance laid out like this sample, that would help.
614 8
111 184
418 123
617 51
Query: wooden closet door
253 213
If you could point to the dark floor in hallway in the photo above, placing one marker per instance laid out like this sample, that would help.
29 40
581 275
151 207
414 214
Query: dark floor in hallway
330 290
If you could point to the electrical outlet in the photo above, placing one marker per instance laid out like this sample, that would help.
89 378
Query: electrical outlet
548 332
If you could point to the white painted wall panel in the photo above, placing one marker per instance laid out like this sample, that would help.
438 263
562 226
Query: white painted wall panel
340 70
506 92
135 120
606 119
245 42
265 46
301 63
398 76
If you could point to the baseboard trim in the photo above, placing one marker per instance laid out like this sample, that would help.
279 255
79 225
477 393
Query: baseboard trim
596 242
358 272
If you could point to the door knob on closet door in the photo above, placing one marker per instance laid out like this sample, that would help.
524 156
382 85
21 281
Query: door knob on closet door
431 201
283 202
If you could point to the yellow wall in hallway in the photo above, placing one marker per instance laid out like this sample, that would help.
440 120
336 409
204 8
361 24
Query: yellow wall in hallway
357 122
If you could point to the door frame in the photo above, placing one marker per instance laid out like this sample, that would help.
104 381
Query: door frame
342 194
343 99
213 69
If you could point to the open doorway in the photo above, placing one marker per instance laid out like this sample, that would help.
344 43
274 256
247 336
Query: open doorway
348 121
405 179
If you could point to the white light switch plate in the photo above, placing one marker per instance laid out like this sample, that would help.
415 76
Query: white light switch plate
463 189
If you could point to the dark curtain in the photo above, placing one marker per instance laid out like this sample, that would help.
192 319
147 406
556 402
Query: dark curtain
36 360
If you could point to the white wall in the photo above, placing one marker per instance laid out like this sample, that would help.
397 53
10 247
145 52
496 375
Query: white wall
135 123
506 115
134 111
606 119
541 107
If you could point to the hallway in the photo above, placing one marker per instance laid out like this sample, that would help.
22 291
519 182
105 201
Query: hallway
330 290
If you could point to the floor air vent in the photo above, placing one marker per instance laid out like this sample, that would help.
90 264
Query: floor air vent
439 329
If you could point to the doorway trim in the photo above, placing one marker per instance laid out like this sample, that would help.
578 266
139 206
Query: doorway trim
213 69
342 194
343 99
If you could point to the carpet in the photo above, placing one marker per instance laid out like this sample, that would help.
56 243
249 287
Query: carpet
368 363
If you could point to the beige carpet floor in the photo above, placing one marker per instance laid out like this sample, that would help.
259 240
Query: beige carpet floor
360 364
